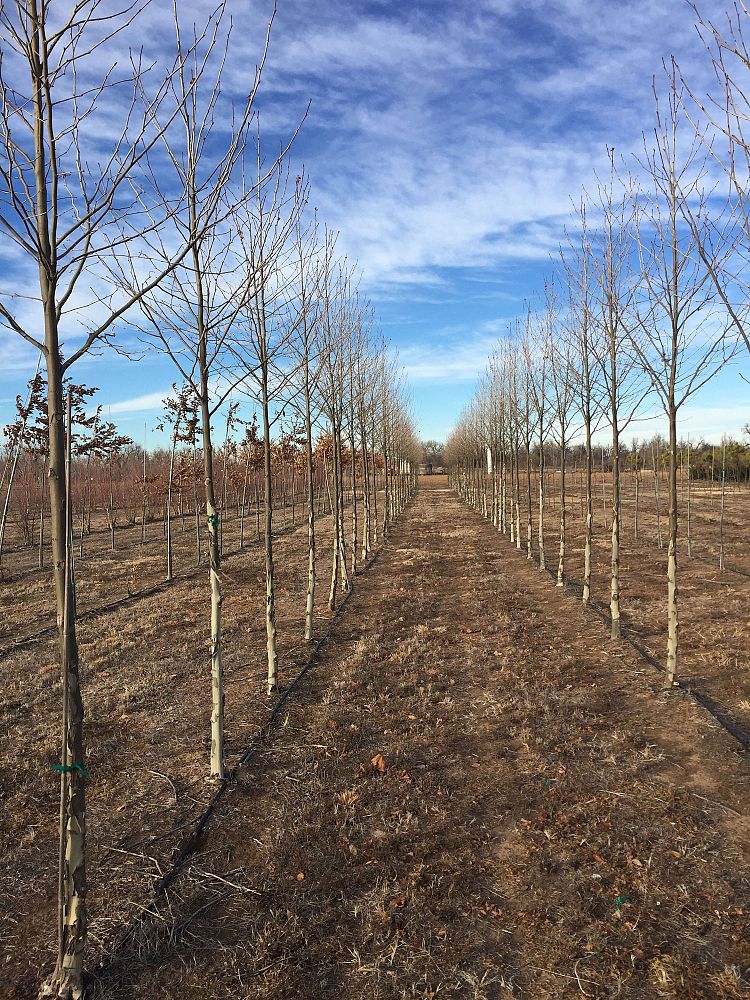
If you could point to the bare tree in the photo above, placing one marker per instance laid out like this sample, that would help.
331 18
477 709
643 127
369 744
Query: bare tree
192 314
70 198
536 359
266 229
578 264
561 350
680 341
308 365
615 289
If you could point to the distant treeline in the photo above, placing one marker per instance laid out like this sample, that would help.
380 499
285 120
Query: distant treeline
704 461
707 461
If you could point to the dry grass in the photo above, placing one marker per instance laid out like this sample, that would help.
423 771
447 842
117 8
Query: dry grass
470 796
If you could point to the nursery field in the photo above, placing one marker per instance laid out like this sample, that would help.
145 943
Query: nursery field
714 641
473 793
134 570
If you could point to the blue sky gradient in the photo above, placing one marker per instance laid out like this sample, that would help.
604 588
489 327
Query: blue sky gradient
447 143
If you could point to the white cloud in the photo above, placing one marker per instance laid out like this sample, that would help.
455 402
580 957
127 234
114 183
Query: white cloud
452 355
442 137
140 404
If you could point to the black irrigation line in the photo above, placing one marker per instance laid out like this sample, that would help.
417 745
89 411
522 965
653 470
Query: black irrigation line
139 595
727 569
722 717
715 711
251 750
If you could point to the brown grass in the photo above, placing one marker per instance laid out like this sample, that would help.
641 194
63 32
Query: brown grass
471 795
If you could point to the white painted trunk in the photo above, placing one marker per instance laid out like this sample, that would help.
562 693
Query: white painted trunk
217 670
614 602
542 557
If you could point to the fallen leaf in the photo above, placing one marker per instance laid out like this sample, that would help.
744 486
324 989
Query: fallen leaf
378 762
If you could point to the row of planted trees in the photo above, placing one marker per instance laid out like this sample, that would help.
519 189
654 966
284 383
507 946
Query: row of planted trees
645 307
142 202
135 496
118 487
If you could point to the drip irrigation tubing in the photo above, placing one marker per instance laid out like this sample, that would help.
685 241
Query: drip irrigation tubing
139 595
720 715
252 749
726 569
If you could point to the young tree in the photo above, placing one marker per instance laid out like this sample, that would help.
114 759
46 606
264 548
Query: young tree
680 341
560 347
266 230
192 313
536 361
578 264
613 298
72 194
331 345
308 367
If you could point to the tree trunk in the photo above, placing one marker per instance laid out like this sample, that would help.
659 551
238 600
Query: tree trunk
689 498
271 654
529 516
311 553
67 980
672 612
561 560
542 558
586 598
168 520
214 553
614 602
721 513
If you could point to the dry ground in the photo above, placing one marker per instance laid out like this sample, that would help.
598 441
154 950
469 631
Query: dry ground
104 576
473 794
714 629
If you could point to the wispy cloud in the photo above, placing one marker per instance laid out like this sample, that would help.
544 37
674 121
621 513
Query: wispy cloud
458 138
451 355
445 141
146 403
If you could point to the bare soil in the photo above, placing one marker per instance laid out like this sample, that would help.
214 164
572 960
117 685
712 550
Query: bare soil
472 794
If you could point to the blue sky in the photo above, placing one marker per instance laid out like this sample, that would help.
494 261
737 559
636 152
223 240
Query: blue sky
446 142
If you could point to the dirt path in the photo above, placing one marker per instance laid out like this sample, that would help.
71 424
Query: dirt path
474 795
